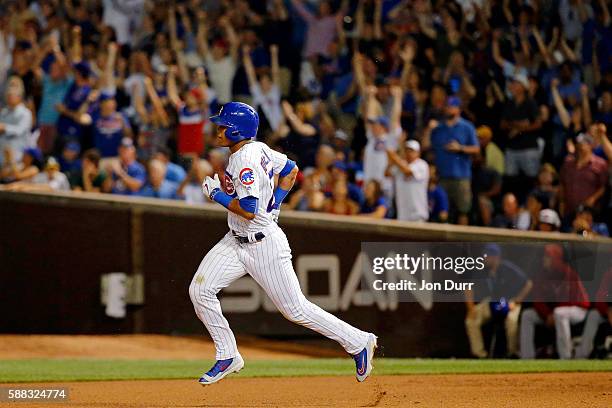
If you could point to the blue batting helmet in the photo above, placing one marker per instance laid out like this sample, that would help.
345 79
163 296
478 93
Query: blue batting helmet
240 119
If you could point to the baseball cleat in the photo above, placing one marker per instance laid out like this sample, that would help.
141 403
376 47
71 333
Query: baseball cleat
363 360
221 369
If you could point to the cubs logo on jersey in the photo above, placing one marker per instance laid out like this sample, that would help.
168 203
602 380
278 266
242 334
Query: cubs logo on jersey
247 177
380 145
229 185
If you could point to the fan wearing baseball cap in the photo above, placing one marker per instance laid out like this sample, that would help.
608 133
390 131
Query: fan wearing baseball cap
109 126
549 221
411 177
454 142
52 176
383 134
128 175
69 125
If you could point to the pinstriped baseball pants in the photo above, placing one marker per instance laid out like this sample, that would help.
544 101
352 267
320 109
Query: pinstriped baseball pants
269 263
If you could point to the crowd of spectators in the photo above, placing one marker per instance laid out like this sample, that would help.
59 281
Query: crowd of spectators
476 112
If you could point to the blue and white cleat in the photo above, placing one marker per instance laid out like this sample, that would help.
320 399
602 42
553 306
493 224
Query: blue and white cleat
363 360
221 369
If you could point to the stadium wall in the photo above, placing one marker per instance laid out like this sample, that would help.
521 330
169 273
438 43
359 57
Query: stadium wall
55 247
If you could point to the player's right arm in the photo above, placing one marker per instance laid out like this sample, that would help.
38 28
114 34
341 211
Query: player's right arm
245 207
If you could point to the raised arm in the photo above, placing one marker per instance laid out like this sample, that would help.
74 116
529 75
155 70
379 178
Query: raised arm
5 51
396 160
202 34
303 11
567 51
587 117
396 110
108 77
499 60
507 11
525 47
425 26
275 66
158 106
296 123
281 10
200 78
542 47
606 144
139 103
402 5
39 55
76 51
467 84
177 46
232 37
558 102
378 33
359 19
554 40
358 72
407 55
371 104
172 27
606 12
248 66
185 20
340 33
172 89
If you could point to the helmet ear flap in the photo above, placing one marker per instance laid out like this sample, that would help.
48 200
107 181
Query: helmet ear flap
232 134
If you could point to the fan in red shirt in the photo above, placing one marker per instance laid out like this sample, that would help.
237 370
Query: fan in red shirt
191 114
560 300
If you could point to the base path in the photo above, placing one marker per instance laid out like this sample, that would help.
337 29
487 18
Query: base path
146 346
573 390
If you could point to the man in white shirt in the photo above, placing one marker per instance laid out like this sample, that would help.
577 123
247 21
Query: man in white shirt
15 122
221 59
52 177
266 91
124 16
411 176
383 135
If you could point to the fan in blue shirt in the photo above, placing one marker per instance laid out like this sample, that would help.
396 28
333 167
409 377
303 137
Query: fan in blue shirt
453 141
158 185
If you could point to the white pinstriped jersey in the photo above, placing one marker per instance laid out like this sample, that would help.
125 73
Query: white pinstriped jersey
250 172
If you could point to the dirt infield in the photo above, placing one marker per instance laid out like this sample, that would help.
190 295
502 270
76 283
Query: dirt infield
559 390
145 346
591 390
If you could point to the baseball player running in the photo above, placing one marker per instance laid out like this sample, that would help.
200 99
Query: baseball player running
256 245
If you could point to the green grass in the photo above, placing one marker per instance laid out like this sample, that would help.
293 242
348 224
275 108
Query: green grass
46 370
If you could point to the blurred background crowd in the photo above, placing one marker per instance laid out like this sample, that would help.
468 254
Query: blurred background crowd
478 112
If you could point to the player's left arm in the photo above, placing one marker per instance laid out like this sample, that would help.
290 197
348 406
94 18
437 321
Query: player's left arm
286 180
287 171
